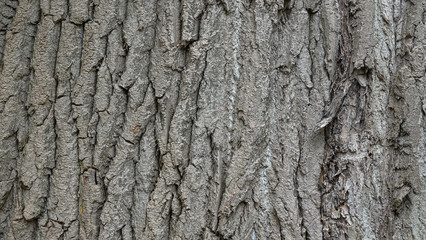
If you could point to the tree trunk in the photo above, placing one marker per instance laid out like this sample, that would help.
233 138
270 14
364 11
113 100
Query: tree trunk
167 119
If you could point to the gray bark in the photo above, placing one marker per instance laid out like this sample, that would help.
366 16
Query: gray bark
167 119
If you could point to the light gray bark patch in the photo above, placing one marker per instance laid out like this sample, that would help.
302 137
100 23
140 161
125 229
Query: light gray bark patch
79 11
14 81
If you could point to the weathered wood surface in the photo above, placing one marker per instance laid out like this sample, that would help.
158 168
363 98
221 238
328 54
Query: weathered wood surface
167 119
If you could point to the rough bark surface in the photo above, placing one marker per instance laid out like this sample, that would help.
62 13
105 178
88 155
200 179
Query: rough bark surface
212 119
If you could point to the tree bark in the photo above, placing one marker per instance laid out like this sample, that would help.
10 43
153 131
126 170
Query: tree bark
212 119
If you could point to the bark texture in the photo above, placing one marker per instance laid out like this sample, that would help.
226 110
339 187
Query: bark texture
212 119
